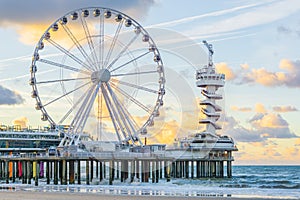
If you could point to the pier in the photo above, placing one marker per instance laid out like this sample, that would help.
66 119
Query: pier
107 167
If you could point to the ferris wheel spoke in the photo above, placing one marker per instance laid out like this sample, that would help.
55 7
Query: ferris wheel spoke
101 40
135 86
99 115
140 56
117 114
77 123
113 43
89 39
134 73
80 99
68 53
61 80
81 108
127 112
131 98
66 94
88 109
122 52
111 112
129 126
78 45
49 62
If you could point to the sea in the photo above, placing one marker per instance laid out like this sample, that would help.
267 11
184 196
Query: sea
280 182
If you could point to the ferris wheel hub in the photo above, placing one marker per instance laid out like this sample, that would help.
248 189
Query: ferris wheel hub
103 75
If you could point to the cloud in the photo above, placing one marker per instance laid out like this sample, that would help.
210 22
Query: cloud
258 15
271 125
232 128
288 76
22 122
33 13
260 108
241 109
262 126
225 69
284 109
287 31
269 120
197 17
297 142
30 19
284 29
9 97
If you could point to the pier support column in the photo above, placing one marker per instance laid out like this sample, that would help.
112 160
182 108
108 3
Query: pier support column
64 172
117 170
229 169
124 170
158 171
161 169
186 163
101 171
178 169
55 172
173 170
19 173
222 169
132 170
229 165
7 171
168 171
137 169
213 168
165 168
147 170
203 168
78 172
36 175
14 170
29 172
48 172
97 169
92 170
1 170
71 172
111 171
87 172
51 170
24 173
192 169
198 169
153 171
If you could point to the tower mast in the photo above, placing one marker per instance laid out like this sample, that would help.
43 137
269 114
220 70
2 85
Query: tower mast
209 81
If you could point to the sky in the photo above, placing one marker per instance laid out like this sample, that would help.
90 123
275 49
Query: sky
256 46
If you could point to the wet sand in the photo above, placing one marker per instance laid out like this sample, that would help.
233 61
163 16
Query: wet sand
22 195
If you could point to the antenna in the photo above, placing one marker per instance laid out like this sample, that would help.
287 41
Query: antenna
210 51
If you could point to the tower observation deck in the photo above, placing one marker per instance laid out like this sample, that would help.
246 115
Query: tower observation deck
210 81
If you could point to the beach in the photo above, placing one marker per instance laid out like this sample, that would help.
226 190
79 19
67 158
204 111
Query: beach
13 195
248 182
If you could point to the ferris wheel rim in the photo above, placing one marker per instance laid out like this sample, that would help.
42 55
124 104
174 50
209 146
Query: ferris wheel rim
136 25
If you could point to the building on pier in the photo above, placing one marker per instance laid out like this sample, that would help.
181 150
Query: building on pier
207 147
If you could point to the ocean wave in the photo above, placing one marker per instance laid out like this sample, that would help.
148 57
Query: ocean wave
235 186
295 186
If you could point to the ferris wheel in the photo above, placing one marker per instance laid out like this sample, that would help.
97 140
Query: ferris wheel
98 71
